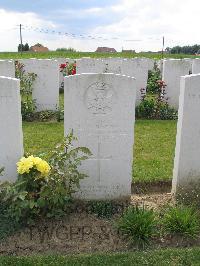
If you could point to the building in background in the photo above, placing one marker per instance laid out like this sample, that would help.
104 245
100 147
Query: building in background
105 50
38 48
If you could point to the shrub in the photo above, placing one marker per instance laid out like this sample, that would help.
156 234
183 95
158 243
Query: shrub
45 189
156 106
153 76
146 108
138 225
181 220
60 115
46 115
28 106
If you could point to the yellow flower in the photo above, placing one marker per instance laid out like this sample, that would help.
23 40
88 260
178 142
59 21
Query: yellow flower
36 161
43 167
24 165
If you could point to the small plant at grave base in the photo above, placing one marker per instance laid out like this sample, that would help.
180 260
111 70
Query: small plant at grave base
181 220
138 224
28 109
46 115
28 106
155 106
45 189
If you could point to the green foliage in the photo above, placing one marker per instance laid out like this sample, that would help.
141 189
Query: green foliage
28 108
152 108
7 226
56 54
28 105
153 76
46 115
32 197
60 115
153 103
69 50
189 49
182 220
23 48
138 224
26 79
159 257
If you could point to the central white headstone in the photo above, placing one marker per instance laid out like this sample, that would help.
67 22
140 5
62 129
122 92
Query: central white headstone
11 138
100 108
186 175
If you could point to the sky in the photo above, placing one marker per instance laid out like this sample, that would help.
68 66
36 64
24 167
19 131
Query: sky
84 25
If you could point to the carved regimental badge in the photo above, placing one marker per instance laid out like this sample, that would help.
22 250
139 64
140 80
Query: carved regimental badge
99 98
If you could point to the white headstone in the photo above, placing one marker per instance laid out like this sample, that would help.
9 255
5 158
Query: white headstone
7 68
173 69
46 85
150 63
138 68
100 108
11 138
190 63
186 175
196 66
135 67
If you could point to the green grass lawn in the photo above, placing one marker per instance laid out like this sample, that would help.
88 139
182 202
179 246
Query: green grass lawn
153 150
172 257
54 54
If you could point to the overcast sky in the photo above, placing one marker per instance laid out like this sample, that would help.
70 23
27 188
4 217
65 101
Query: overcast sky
131 24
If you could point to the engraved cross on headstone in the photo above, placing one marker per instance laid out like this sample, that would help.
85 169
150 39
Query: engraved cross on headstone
100 158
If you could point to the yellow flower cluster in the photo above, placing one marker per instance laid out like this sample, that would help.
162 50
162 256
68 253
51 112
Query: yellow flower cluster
26 164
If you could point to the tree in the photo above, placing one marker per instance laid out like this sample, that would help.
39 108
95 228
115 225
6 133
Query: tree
20 47
70 49
23 48
26 47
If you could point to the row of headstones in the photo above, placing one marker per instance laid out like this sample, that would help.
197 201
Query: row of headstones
104 122
46 86
49 78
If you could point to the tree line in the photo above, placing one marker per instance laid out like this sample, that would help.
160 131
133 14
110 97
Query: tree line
188 49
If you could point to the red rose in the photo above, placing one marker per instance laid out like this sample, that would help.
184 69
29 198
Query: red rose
63 66
73 71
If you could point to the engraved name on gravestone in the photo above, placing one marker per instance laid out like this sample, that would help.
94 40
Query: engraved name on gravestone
100 110
11 138
186 174
46 85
